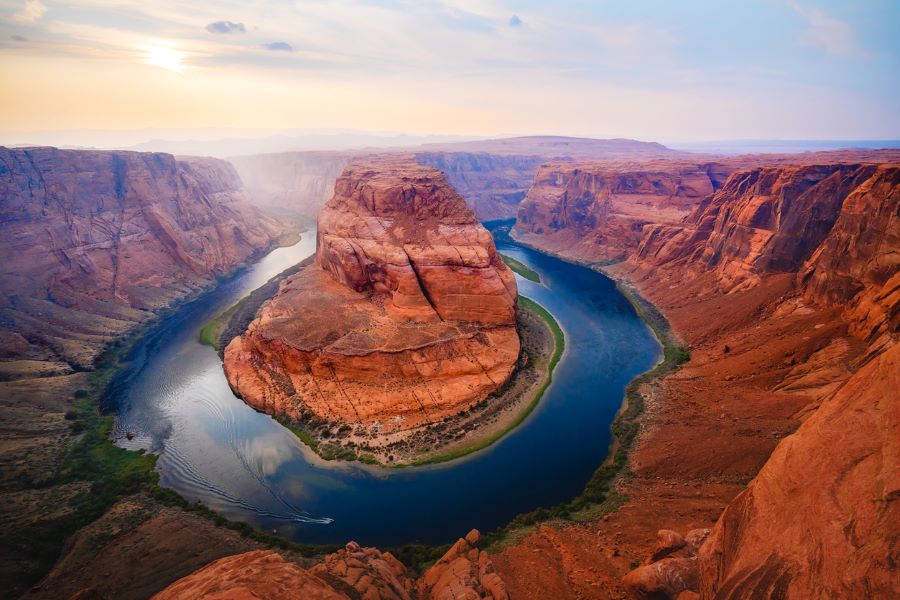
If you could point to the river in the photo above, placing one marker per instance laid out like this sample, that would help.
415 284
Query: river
174 399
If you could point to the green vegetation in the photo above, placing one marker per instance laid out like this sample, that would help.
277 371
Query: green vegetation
559 342
211 333
521 268
325 450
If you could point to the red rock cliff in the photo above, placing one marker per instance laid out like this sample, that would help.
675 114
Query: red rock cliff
820 519
94 242
407 317
598 210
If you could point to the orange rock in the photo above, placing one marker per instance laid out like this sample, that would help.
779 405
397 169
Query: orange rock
598 210
354 572
407 317
822 518
257 575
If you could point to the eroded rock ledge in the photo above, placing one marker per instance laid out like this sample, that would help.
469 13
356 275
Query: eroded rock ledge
407 317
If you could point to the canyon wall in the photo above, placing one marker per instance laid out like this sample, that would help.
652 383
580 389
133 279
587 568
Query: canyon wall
297 182
407 317
820 519
95 242
492 184
597 210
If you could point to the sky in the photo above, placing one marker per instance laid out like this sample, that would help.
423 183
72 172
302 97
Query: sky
654 70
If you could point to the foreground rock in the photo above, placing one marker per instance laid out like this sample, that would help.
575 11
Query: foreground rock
463 573
407 317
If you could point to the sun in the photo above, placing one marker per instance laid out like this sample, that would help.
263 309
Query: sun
167 58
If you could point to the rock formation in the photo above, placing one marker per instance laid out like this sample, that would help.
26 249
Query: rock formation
820 518
407 317
297 182
597 210
463 573
492 184
94 242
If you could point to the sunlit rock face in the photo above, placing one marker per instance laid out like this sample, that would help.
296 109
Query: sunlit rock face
352 572
831 234
407 316
94 242
492 184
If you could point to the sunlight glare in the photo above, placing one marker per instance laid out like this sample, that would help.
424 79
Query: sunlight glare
167 58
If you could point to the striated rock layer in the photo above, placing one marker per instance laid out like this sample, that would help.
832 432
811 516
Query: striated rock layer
597 210
407 317
820 519
784 285
93 242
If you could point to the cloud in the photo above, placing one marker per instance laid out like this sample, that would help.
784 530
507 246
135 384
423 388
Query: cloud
278 47
515 21
226 27
18 38
827 33
31 12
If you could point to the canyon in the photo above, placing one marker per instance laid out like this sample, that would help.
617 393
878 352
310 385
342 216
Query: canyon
407 317
778 272
95 245
96 242
492 175
784 284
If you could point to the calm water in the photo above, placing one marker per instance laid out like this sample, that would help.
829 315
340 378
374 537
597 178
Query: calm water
214 448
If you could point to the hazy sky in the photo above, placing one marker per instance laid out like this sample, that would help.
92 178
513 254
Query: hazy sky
666 70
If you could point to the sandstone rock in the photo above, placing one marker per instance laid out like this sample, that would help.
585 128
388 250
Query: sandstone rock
352 573
463 573
94 242
598 210
492 184
407 317
821 518
672 570
666 578
260 574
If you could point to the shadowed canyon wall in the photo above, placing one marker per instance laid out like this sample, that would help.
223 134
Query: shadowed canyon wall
94 242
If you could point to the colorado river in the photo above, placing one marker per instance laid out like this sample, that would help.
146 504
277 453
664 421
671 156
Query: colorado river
214 448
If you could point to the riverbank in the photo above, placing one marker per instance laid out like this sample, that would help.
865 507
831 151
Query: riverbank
600 495
61 469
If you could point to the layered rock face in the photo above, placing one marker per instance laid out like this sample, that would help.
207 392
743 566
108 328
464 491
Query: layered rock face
298 182
835 226
598 210
820 518
492 184
94 242
407 317
463 573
